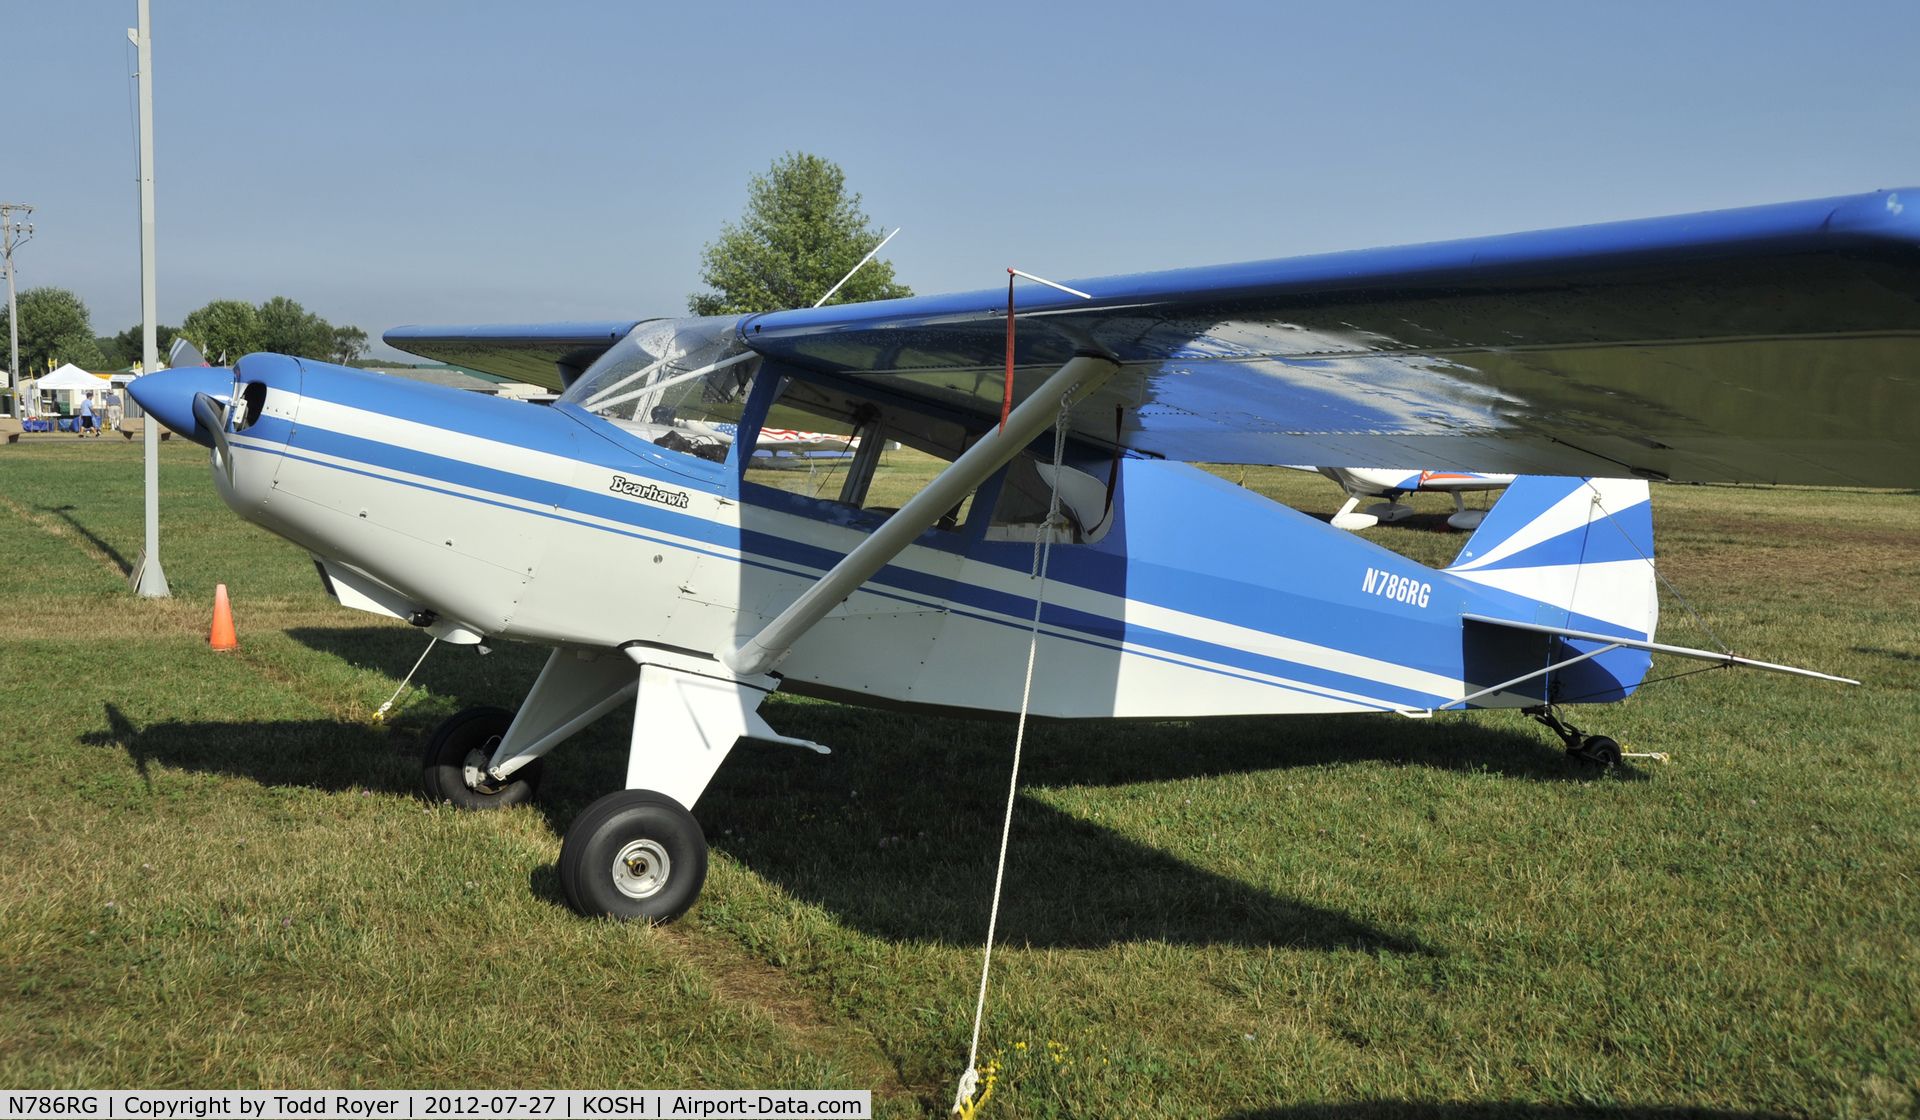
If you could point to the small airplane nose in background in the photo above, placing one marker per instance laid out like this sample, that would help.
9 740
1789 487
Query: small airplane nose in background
167 395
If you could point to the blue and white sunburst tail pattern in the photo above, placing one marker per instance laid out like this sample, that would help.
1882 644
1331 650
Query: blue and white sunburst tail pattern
1583 549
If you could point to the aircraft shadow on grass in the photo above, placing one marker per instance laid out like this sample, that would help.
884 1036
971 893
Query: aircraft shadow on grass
1102 752
793 821
1493 1110
320 754
896 831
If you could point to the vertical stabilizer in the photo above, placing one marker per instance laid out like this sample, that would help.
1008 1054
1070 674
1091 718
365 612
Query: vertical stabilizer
1582 549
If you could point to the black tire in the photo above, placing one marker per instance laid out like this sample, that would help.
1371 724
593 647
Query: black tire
469 737
1601 751
633 854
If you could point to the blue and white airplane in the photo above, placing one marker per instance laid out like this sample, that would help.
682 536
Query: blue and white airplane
625 528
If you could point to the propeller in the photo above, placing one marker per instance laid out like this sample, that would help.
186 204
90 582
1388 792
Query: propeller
212 415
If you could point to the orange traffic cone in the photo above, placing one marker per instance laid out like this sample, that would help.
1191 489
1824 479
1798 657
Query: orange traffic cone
223 636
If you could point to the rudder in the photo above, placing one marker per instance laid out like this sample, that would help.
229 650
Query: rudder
1582 548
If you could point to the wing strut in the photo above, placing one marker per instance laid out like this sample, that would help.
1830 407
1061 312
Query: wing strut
1069 384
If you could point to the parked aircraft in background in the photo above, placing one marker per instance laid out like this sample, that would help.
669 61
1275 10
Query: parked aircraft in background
1373 482
624 527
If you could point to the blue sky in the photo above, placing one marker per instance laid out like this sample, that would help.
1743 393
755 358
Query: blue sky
396 162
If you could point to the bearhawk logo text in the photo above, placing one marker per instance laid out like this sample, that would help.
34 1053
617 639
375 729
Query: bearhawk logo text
647 491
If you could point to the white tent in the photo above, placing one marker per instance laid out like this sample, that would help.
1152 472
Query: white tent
64 387
73 377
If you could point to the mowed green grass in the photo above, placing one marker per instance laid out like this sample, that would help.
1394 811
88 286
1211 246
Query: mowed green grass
217 871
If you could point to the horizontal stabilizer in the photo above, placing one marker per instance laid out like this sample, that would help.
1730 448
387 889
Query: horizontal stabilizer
1655 647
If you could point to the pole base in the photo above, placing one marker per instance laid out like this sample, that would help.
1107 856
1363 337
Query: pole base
147 580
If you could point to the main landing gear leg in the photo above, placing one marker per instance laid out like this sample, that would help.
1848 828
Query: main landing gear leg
639 853
489 758
1595 750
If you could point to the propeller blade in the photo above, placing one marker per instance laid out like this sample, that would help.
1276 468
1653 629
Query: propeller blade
211 415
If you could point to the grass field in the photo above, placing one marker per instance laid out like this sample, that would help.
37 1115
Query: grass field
217 871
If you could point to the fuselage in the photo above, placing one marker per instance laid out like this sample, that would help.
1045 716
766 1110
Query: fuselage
552 525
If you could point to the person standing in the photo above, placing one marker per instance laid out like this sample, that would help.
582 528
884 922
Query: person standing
115 413
86 416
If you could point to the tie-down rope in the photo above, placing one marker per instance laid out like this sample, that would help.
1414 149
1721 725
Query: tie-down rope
963 1101
382 713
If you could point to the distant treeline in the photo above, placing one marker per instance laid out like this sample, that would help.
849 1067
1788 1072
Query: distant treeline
56 328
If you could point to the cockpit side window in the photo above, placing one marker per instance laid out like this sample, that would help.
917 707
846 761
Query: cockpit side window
679 384
832 444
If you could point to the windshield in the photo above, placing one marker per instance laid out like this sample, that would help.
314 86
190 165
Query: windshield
678 383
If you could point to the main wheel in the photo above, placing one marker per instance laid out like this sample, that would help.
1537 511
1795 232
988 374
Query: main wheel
455 767
634 854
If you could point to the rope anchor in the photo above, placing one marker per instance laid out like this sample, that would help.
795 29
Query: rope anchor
381 715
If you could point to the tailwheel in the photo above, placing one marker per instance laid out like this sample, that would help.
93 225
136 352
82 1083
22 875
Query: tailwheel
1594 750
1598 750
455 767
634 854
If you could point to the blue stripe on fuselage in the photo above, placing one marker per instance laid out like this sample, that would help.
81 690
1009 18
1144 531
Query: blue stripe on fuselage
1202 570
796 558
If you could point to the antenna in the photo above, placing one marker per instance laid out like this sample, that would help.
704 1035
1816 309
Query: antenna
858 267
1049 283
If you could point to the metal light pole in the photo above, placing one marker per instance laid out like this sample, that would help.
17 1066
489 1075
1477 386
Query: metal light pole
148 579
10 230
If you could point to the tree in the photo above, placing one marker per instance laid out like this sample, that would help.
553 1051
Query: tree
236 328
225 328
55 327
800 234
288 328
348 344
125 346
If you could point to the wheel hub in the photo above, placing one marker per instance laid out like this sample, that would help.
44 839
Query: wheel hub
474 770
640 870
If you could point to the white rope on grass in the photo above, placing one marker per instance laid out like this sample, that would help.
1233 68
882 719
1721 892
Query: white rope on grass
382 713
963 1100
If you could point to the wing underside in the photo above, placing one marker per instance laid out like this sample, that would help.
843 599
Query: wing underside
1776 344
1772 344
